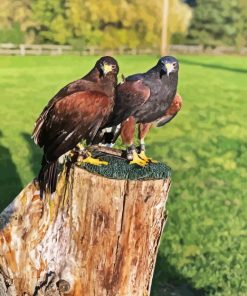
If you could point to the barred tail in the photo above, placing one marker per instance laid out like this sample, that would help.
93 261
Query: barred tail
48 177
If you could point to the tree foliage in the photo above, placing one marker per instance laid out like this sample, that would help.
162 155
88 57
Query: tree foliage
108 24
52 23
219 22
190 2
16 21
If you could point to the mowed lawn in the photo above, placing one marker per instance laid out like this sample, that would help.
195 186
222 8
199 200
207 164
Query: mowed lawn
204 246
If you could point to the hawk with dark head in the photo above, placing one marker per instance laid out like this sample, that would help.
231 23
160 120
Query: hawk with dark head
74 114
144 99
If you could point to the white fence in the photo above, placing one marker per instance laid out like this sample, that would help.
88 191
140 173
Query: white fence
49 49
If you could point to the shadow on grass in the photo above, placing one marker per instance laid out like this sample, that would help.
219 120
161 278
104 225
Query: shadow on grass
212 66
35 154
167 281
10 181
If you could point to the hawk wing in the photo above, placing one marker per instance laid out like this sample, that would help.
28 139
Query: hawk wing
131 94
71 88
71 119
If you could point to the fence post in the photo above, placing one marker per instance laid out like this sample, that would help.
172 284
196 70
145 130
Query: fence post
22 50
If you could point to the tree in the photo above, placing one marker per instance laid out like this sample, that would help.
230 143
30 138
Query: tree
241 25
218 22
131 23
52 24
17 24
107 24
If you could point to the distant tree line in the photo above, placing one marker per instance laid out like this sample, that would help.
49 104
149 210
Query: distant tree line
127 23
216 23
107 24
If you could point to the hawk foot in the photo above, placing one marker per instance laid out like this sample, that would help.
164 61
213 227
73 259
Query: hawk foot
91 160
137 160
144 157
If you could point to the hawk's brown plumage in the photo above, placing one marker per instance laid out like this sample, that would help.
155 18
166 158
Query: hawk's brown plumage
75 113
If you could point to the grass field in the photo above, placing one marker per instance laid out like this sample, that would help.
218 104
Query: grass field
204 248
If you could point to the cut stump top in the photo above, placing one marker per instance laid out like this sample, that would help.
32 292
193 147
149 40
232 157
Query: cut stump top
119 168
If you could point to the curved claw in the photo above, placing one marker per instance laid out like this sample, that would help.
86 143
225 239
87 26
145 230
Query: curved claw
137 160
144 157
93 161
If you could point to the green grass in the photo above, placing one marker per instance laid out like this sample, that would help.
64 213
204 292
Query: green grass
203 250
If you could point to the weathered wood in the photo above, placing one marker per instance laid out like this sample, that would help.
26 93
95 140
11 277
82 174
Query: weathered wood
95 236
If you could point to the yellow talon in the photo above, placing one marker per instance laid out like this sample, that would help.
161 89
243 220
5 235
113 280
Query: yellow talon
80 146
137 160
143 156
93 161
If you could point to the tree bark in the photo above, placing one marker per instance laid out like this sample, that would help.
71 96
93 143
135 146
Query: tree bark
94 236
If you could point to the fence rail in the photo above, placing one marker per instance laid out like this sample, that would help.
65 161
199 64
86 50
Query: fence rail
49 49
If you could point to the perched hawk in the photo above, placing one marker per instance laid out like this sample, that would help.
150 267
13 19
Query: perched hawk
74 114
144 99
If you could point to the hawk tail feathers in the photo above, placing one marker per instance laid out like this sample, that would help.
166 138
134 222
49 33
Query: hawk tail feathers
47 177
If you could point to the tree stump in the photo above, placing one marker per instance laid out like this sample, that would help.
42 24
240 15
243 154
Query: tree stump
97 235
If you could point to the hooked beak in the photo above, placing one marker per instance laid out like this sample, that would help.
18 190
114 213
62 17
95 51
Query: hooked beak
169 68
106 68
